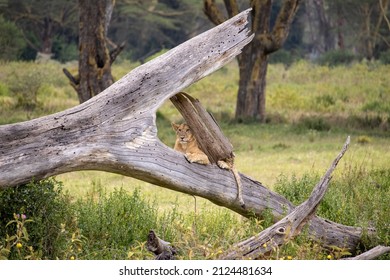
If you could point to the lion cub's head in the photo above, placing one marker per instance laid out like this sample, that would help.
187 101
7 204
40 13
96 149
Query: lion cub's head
183 133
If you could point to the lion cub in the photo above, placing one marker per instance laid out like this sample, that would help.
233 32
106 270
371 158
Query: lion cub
187 144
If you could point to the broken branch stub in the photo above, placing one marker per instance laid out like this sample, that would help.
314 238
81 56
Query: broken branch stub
206 130
160 248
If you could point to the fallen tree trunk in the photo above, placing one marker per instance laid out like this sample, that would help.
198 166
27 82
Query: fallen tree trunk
116 132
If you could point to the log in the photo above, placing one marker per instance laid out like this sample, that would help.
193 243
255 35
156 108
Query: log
372 253
116 131
288 227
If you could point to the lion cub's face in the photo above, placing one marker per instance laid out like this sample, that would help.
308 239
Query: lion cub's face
183 133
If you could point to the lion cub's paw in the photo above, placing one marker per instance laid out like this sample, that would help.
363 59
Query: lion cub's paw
222 164
196 158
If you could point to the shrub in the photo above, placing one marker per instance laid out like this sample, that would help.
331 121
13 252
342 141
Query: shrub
24 81
337 57
47 207
385 57
11 40
64 52
282 56
113 222
313 123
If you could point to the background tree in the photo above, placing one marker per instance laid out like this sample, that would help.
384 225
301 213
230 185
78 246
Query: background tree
152 25
95 58
360 26
11 40
42 22
253 61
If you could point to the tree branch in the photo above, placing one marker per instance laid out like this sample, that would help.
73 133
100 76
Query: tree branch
212 12
372 254
288 227
275 40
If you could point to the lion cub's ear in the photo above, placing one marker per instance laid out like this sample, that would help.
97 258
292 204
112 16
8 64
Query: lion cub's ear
175 126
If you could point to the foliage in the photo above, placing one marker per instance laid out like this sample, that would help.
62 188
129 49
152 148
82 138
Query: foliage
42 21
64 51
337 57
155 25
282 56
149 26
44 207
385 57
113 222
29 89
11 40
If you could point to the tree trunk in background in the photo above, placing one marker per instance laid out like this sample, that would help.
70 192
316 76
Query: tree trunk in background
253 61
94 58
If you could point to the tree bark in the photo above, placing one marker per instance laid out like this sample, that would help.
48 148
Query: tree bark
372 254
253 61
161 248
115 131
95 61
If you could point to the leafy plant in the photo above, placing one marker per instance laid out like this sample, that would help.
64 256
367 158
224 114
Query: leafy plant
43 203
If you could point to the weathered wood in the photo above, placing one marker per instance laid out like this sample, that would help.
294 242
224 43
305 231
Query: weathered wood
116 132
372 253
161 248
288 227
206 131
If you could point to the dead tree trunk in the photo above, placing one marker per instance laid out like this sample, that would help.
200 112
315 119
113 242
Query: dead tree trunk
116 132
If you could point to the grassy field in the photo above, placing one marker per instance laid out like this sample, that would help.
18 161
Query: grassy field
311 110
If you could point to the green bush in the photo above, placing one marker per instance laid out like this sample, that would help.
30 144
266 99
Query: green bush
282 56
46 206
12 42
385 57
113 222
337 57
316 123
64 52
26 81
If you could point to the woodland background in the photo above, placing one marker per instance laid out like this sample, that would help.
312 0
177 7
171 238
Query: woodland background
356 29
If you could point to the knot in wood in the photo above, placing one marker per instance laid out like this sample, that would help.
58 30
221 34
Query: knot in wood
281 231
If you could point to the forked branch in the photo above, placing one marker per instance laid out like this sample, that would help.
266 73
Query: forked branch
288 227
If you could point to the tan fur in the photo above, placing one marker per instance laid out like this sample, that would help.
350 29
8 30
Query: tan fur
229 165
187 144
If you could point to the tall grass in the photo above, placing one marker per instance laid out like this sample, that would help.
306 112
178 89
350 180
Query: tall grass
357 197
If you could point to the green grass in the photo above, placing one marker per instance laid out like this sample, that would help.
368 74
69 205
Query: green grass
311 110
